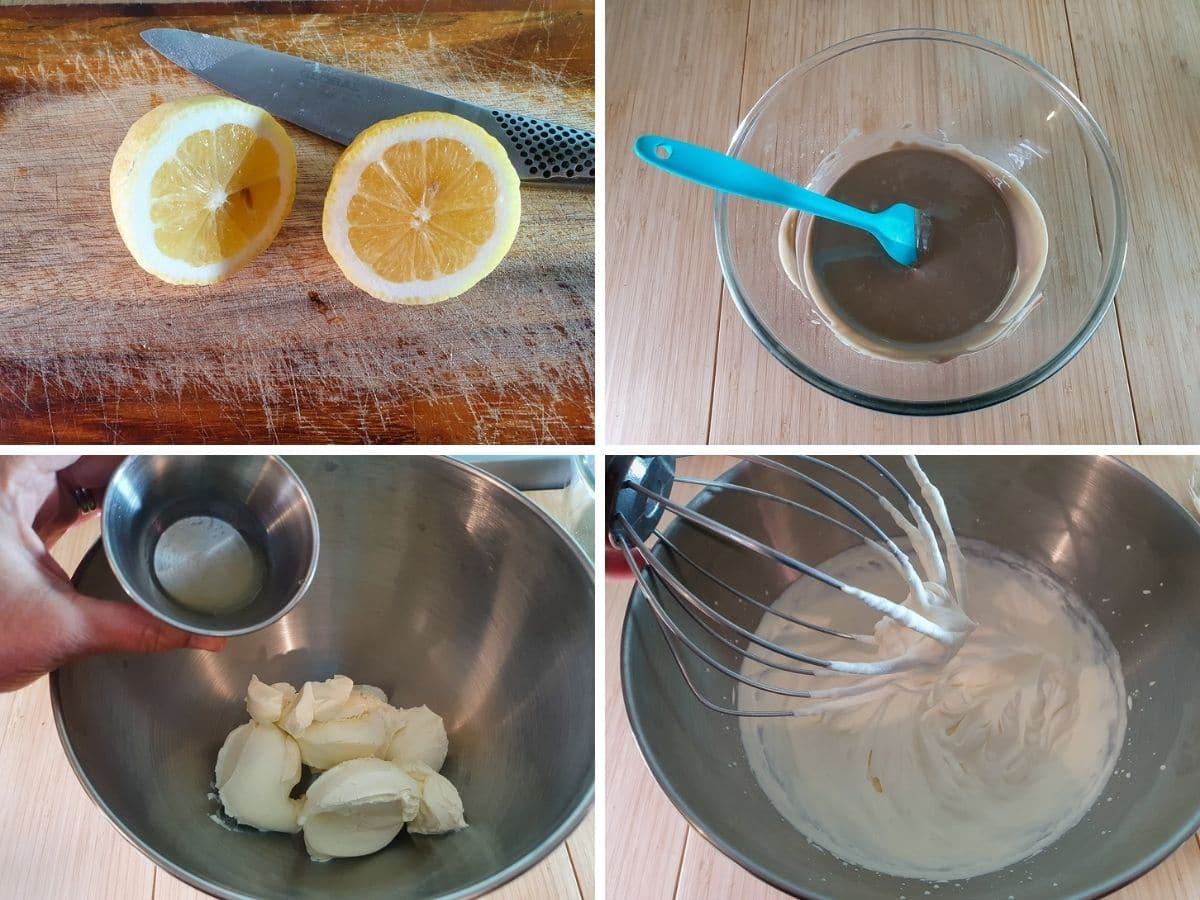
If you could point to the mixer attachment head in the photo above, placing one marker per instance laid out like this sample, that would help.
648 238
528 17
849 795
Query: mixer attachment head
638 497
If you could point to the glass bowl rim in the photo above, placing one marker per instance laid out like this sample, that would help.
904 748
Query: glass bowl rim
1111 276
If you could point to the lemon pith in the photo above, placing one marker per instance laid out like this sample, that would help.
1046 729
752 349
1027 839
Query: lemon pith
421 208
201 186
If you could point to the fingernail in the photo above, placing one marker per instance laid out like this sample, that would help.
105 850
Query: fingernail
200 642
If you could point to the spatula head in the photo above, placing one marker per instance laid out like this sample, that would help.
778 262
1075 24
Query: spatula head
903 232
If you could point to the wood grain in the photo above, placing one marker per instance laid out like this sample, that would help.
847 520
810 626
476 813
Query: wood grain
286 350
553 878
692 869
581 845
671 70
1139 71
657 387
644 835
58 844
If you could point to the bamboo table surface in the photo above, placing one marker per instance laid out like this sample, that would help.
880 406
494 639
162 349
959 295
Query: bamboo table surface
656 855
55 843
681 365
286 350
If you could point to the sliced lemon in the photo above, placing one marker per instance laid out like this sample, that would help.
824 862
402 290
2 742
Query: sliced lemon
421 208
199 187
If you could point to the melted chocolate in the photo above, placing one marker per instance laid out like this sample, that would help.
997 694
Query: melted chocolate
960 279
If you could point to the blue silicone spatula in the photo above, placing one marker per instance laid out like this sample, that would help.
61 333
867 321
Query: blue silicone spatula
900 229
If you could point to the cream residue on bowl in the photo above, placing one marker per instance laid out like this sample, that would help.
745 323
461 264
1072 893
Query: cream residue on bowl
953 770
1022 297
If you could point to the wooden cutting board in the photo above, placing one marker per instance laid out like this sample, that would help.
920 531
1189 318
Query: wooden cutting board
286 351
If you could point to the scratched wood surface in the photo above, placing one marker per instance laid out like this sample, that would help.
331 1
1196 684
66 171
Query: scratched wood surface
682 367
75 852
286 350
656 855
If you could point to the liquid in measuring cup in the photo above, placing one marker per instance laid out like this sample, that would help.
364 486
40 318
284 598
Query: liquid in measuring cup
206 565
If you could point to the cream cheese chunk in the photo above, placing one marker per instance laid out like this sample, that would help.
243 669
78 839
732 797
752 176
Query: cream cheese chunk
325 744
421 737
441 807
356 808
267 702
257 767
376 767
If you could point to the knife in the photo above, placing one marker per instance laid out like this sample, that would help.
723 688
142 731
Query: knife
338 104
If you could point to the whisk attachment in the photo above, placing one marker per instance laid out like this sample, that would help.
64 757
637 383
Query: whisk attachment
639 495
653 474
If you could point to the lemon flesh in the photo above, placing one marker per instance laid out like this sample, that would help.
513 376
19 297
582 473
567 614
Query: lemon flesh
199 187
421 208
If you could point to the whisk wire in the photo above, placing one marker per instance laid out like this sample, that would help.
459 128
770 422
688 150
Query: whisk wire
686 596
743 642
909 617
736 648
765 607
910 574
674 634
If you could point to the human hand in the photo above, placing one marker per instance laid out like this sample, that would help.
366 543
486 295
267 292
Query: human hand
44 621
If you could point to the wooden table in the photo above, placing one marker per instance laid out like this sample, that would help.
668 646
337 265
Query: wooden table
656 855
57 844
681 365
287 350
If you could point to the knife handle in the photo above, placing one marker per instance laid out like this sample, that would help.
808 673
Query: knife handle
545 153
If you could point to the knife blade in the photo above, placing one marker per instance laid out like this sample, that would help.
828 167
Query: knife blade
338 104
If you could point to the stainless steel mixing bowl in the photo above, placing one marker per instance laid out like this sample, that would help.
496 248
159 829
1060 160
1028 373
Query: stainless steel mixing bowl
437 583
1093 522
260 496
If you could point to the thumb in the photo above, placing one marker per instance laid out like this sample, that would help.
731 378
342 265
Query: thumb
115 627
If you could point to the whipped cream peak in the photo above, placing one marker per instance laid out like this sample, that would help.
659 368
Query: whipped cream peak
930 625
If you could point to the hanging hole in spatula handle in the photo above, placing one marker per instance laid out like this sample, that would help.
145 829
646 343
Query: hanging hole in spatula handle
714 170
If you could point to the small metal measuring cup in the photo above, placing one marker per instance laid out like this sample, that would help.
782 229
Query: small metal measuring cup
257 500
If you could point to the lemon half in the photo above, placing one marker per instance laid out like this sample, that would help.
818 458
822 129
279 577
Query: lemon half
201 186
421 208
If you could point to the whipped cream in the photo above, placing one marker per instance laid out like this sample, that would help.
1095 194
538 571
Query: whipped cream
956 763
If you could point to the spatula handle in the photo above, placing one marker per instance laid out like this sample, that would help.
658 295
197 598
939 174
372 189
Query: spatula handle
711 169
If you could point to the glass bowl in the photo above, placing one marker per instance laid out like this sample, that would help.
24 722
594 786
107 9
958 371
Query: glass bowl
960 89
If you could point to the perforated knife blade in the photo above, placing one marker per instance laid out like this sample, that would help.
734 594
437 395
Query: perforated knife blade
338 104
